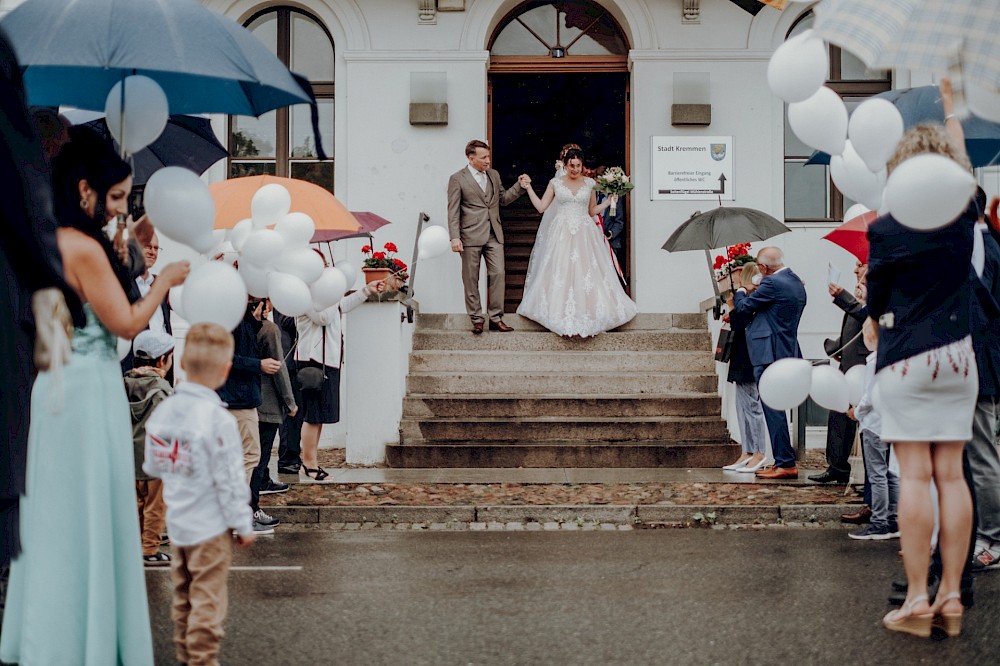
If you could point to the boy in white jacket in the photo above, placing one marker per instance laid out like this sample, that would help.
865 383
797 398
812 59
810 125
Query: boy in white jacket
193 445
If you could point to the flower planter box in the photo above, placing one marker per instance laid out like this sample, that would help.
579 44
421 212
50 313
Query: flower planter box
376 274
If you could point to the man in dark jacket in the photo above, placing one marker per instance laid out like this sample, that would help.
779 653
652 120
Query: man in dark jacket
290 431
241 393
850 350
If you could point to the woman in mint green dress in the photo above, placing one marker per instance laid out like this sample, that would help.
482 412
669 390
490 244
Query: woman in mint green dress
77 592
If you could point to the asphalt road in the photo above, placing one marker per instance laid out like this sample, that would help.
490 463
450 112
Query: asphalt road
687 596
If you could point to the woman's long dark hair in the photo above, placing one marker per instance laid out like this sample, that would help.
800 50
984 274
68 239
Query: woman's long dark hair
87 156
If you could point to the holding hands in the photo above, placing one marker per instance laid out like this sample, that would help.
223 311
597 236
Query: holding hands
524 180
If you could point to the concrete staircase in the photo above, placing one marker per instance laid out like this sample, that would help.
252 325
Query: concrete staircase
643 395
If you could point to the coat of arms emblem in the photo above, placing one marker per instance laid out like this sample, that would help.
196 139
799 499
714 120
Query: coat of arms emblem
718 151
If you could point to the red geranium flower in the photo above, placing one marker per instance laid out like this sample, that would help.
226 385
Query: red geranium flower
378 255
399 264
391 247
719 261
366 249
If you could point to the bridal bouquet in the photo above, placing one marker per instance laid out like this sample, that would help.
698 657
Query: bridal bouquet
614 182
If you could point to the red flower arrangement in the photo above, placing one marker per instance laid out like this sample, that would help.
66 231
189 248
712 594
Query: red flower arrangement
736 256
385 260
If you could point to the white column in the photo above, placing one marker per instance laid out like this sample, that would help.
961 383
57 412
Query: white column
373 380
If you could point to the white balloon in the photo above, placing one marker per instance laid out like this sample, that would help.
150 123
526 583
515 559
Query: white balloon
785 383
289 294
874 129
176 300
124 347
263 248
855 383
296 228
239 234
928 191
829 388
433 242
269 204
329 288
214 292
303 263
798 67
857 210
854 179
254 278
349 271
983 103
820 121
146 112
180 206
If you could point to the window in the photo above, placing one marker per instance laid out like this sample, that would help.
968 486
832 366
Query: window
559 30
282 142
809 192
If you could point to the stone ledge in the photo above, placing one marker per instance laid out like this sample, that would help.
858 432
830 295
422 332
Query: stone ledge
600 513
724 515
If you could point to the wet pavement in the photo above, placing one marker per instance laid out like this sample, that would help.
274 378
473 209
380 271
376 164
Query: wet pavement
664 596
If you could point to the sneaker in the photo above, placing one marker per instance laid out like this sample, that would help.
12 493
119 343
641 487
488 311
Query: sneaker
259 529
893 529
157 560
263 519
272 487
871 533
986 557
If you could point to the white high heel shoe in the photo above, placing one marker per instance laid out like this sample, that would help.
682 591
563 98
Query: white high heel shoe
732 467
749 469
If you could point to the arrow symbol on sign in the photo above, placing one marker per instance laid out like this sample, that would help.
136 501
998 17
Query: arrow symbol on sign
722 185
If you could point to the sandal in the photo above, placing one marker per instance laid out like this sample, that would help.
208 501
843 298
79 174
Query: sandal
949 623
918 625
317 474
157 560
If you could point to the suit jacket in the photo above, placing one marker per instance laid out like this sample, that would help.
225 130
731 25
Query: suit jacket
919 286
855 314
777 306
985 336
472 212
614 225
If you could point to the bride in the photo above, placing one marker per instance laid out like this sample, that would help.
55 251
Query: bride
571 287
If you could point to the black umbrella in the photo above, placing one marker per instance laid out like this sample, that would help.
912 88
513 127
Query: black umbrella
721 227
186 141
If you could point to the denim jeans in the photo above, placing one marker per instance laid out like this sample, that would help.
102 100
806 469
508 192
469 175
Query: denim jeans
884 482
777 428
750 415
984 461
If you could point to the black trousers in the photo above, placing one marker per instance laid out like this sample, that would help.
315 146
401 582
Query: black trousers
290 432
261 475
840 431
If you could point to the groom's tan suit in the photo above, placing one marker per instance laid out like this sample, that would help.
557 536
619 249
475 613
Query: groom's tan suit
474 218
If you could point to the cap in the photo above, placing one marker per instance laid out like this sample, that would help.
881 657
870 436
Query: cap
152 344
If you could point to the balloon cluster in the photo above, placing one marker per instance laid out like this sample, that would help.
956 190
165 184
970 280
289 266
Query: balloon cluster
787 383
927 194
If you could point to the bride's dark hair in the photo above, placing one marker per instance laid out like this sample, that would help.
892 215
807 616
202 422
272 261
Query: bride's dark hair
573 154
565 150
87 156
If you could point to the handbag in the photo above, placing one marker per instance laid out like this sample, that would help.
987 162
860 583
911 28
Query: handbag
724 347
310 378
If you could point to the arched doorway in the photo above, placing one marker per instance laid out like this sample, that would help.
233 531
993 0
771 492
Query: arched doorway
558 74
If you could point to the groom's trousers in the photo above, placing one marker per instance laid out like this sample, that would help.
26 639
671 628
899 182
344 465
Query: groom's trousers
472 257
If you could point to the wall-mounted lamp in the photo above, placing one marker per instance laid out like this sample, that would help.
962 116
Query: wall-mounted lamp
428 98
692 103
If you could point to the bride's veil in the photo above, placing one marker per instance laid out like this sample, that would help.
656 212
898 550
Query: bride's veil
539 250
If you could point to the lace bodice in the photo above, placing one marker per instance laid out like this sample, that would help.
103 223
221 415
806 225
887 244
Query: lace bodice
93 339
578 201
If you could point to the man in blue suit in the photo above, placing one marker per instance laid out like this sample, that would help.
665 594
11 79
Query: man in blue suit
776 305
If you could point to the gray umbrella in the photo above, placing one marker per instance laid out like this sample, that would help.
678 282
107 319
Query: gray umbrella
721 227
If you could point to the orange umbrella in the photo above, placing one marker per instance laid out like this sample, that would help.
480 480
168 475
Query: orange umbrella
232 203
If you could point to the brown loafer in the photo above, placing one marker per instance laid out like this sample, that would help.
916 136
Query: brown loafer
500 326
864 515
477 327
779 473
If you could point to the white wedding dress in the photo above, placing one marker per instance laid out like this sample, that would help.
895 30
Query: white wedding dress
571 287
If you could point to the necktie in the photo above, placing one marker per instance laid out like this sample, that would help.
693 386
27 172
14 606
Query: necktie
481 179
979 249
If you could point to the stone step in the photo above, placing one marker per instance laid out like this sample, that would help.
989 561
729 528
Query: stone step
540 429
651 321
629 341
522 383
564 454
564 361
458 405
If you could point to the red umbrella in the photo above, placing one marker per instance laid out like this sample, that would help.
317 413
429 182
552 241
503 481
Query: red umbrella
853 235
369 223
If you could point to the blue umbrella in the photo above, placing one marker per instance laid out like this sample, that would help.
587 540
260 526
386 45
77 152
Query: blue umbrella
74 51
923 105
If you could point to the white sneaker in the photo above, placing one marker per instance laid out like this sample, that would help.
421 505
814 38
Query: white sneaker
736 465
749 469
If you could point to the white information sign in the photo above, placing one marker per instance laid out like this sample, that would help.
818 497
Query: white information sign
692 167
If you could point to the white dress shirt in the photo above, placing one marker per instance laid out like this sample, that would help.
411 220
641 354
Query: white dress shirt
156 321
193 444
480 177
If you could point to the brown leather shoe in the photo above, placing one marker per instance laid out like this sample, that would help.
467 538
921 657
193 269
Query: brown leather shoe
778 473
859 518
477 327
500 326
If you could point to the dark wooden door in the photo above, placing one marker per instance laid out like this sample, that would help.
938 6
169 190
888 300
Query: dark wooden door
532 116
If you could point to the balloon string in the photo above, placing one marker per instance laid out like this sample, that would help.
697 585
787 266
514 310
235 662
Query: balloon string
848 344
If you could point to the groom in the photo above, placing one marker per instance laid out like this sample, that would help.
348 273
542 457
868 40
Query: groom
474 199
